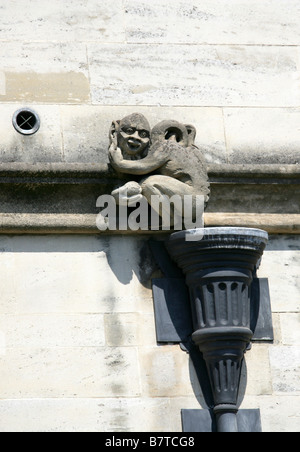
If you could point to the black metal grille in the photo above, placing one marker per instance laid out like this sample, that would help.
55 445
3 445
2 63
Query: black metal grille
26 121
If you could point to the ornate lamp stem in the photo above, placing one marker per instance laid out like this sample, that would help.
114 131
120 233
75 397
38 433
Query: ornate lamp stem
219 269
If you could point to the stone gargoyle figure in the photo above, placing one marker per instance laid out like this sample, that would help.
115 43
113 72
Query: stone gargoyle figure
165 157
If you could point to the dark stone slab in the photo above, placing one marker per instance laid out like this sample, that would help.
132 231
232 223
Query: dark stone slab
172 312
202 421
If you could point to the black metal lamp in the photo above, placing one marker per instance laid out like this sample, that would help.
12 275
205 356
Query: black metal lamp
219 264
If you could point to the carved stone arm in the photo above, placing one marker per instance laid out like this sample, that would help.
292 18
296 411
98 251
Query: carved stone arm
135 167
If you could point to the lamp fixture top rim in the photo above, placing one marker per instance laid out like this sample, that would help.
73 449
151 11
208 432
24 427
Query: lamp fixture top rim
223 231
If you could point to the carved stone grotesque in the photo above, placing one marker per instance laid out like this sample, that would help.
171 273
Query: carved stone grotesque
165 158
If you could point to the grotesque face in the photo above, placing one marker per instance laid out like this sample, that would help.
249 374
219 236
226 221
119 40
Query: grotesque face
134 135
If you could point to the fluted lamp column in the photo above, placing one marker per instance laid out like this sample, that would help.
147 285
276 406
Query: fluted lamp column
219 264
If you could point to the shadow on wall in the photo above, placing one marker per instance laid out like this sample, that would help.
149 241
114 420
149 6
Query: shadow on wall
126 256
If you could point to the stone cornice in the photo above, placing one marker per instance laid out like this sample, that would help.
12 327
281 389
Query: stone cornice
89 172
61 198
255 173
54 173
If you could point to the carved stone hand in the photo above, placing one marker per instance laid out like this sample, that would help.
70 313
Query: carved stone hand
115 156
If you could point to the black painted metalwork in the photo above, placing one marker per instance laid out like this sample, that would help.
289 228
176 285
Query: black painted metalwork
173 318
173 315
261 322
248 421
219 265
26 121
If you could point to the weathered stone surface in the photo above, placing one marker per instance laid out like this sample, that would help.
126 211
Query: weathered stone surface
242 22
68 87
290 327
60 77
276 132
61 198
167 370
74 133
281 264
44 146
272 223
285 365
52 330
194 75
39 20
91 415
89 278
55 223
256 375
280 414
209 22
129 329
69 372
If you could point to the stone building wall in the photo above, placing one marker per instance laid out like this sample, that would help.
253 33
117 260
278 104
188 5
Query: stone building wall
231 68
78 346
78 349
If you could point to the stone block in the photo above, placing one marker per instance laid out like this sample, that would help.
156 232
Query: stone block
277 329
85 133
256 375
39 20
49 415
135 415
89 415
52 330
8 302
129 329
262 135
61 75
75 274
273 22
280 414
85 129
167 372
290 327
64 372
198 75
284 291
281 265
285 365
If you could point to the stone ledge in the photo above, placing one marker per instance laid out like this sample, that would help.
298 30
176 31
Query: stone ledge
255 173
53 173
81 172
272 223
86 223
60 198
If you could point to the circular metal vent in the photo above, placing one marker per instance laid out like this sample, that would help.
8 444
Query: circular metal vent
26 121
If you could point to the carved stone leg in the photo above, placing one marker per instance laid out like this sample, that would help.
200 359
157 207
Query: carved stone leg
166 187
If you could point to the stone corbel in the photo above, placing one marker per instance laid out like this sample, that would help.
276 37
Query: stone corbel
60 198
